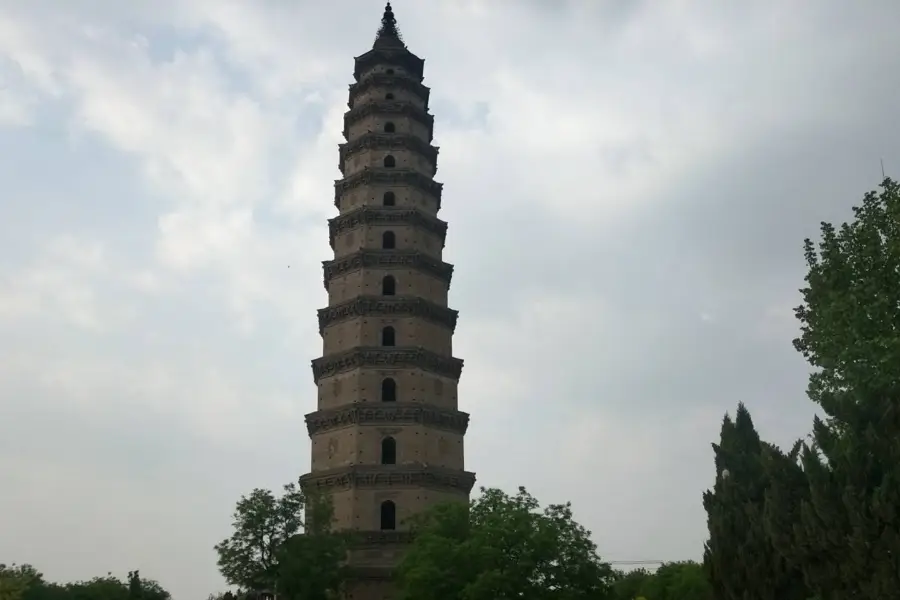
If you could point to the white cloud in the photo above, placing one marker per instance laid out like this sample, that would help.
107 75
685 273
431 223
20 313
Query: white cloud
61 282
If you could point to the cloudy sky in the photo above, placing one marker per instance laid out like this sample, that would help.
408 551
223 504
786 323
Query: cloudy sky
627 184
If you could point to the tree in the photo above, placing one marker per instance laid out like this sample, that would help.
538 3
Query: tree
739 557
15 580
850 317
499 547
144 589
268 551
312 565
262 523
134 585
685 580
98 588
847 537
45 590
627 586
108 587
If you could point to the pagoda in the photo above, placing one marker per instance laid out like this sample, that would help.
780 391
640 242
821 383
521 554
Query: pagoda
387 436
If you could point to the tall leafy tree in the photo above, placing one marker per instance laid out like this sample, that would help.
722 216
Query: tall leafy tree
739 557
502 547
312 565
850 316
262 524
848 538
273 548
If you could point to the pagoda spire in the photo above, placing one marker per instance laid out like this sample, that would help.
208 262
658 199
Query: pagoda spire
388 35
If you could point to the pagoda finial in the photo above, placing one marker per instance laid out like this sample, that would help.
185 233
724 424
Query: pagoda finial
388 34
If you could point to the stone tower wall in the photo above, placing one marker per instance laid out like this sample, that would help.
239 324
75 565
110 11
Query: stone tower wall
387 436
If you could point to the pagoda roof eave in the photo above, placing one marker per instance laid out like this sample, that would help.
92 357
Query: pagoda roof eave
399 56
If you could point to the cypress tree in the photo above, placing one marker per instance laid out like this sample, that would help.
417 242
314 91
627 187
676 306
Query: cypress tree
740 559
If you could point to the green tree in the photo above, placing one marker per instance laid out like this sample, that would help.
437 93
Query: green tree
850 317
47 591
312 564
15 580
627 586
847 540
262 524
787 491
134 585
145 589
98 588
272 548
113 588
501 547
739 557
685 580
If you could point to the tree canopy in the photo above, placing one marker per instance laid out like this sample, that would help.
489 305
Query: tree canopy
850 316
501 546
847 539
822 519
739 557
685 580
24 582
262 524
312 565
272 547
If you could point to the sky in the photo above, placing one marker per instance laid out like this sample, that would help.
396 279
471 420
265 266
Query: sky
628 185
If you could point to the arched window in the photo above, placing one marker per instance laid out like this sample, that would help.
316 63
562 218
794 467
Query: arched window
388 285
388 516
388 240
389 451
389 127
389 199
389 96
388 336
388 390
390 162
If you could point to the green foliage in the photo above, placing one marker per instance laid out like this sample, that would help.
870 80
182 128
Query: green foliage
312 565
787 491
15 580
672 581
33 587
262 524
501 547
846 539
267 550
850 317
678 581
627 586
105 588
225 596
152 590
134 586
740 559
